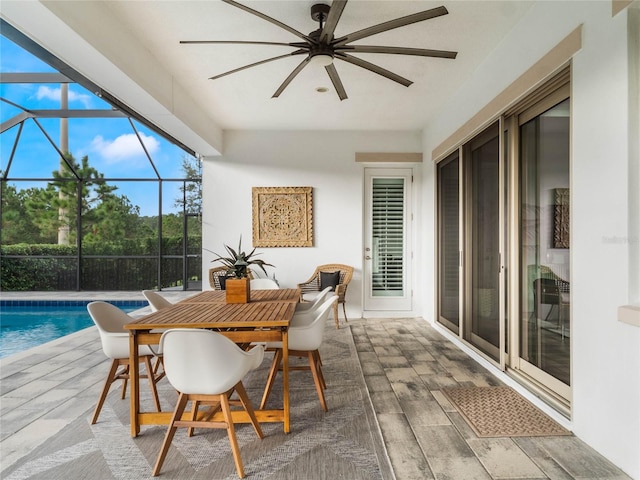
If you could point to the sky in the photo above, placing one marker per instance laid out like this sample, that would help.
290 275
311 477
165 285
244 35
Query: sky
111 144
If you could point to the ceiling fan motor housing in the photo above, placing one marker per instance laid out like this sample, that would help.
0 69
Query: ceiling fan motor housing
319 48
319 12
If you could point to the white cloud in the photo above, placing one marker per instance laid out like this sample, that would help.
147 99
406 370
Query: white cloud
124 147
49 93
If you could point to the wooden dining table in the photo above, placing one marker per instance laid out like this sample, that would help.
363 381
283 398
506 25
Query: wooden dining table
265 318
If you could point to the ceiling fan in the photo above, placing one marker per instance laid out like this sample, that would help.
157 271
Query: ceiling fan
321 47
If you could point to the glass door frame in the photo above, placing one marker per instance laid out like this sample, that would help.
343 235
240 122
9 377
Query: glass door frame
496 355
556 390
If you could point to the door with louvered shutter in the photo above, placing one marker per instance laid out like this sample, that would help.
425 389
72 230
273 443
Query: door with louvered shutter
387 252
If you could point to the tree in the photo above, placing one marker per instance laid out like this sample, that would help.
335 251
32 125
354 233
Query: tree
32 215
191 190
172 225
112 219
16 225
42 212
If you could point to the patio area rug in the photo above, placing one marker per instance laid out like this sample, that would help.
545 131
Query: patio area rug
501 412
344 442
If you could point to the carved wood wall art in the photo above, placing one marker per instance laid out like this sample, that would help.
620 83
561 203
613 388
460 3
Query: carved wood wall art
282 217
561 219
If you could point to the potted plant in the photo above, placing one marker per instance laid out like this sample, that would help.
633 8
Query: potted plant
237 279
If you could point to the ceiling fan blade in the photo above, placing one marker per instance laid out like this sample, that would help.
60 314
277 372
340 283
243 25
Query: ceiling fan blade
243 42
297 52
373 68
291 76
390 25
268 19
421 52
337 7
335 79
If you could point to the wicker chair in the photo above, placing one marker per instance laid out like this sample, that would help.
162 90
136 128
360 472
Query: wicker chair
217 272
312 287
550 289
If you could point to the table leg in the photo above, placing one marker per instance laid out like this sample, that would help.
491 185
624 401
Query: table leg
285 379
134 382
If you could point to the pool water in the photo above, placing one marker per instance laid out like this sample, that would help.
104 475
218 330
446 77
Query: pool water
25 325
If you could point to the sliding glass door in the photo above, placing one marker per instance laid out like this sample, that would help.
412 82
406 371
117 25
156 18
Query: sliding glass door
545 324
449 241
482 248
509 186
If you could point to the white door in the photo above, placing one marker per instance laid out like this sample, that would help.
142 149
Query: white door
387 250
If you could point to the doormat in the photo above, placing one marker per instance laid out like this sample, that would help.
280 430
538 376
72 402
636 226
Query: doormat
501 412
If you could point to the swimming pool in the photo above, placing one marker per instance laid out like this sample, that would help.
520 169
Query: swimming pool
27 324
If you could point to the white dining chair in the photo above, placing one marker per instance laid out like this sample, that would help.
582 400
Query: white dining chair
303 341
186 350
264 284
156 301
110 321
305 311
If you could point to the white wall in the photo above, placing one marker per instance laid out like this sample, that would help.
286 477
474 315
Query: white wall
605 352
322 160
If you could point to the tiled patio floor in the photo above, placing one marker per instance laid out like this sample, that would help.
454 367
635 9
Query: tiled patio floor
406 363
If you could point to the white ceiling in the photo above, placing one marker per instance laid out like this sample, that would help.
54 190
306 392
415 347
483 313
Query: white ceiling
131 49
243 100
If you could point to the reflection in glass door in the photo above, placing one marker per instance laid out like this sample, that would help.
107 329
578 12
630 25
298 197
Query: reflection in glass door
483 221
545 326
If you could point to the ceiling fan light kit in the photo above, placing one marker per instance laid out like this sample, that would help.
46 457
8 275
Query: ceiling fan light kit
322 48
321 59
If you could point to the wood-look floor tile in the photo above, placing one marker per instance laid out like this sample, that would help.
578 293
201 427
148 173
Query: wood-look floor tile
424 412
385 402
578 459
378 383
504 459
441 441
458 468
406 457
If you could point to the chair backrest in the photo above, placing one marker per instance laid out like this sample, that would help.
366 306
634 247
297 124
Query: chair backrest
264 284
306 306
309 337
306 312
545 272
214 277
156 301
346 273
216 273
205 362
110 321
546 291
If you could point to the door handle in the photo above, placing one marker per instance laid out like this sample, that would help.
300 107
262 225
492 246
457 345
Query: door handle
367 257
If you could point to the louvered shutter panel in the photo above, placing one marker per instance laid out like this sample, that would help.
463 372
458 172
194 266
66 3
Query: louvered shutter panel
388 236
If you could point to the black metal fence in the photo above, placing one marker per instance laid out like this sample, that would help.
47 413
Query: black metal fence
39 269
